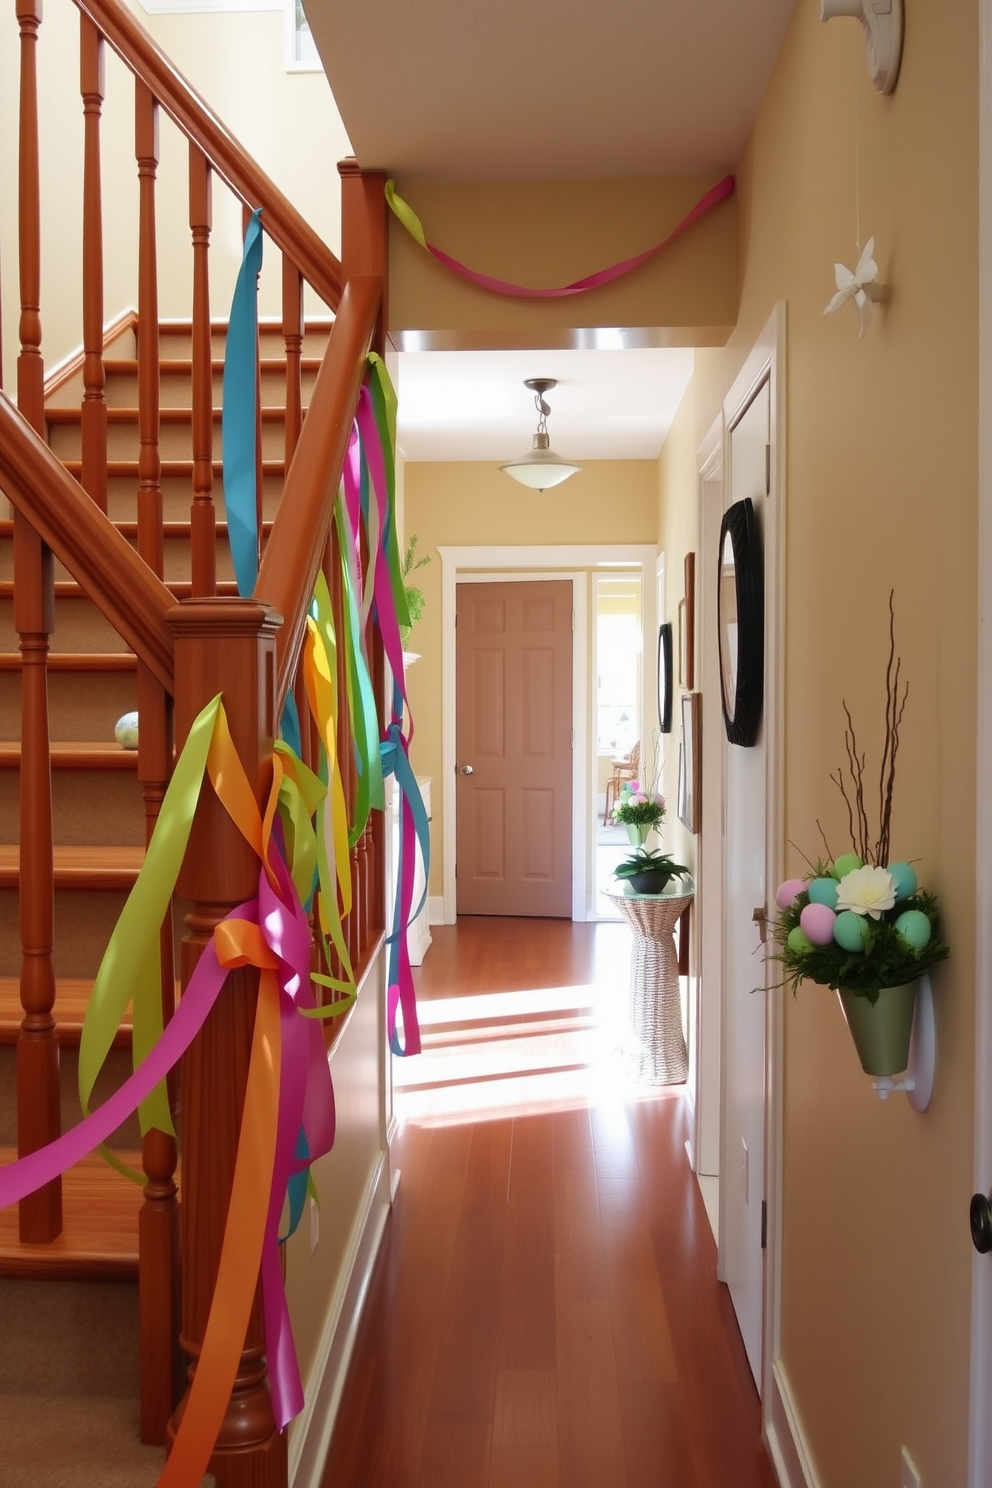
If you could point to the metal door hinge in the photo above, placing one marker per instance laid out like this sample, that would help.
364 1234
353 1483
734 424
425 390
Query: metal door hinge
764 1224
768 470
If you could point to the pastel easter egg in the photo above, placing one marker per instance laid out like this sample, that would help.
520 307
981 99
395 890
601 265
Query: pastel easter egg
824 891
799 942
817 921
846 863
126 731
905 880
914 927
788 892
850 931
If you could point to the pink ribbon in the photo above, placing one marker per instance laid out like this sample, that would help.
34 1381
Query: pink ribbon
716 194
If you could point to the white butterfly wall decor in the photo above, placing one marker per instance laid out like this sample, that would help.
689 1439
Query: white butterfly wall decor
861 286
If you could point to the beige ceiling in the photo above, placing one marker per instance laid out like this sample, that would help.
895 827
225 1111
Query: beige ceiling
504 90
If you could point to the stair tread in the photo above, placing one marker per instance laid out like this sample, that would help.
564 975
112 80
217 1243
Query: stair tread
99 1239
170 467
129 529
79 867
119 414
72 998
69 589
77 661
183 366
75 755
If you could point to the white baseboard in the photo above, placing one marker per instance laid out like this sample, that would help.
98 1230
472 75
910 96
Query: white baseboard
435 909
311 1434
786 1444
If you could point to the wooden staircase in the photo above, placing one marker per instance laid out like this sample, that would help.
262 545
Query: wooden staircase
98 811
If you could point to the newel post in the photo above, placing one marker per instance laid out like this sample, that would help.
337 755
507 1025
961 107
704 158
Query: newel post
365 250
223 645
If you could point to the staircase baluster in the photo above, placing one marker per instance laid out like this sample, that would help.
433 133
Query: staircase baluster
292 330
93 432
38 1096
158 1226
203 524
223 645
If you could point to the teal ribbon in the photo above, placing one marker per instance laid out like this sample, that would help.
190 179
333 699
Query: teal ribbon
238 417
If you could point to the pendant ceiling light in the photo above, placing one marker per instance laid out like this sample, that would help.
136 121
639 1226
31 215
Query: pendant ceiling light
540 468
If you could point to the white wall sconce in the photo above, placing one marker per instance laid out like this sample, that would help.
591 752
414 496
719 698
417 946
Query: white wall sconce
917 1082
883 24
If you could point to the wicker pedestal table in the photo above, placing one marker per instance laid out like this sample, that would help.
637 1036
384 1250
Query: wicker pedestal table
658 1044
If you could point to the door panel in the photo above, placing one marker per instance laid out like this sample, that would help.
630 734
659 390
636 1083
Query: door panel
514 733
744 968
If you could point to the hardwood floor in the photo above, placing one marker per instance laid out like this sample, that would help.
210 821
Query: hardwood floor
545 1311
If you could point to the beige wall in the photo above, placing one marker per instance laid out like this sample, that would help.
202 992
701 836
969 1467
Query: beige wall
455 504
881 493
546 233
288 121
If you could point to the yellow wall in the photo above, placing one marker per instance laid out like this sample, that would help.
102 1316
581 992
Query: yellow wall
236 61
545 233
456 504
881 493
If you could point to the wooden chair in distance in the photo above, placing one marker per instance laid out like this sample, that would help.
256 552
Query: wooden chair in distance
623 770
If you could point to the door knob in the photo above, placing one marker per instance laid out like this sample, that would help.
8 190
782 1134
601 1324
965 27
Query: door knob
981 1223
465 769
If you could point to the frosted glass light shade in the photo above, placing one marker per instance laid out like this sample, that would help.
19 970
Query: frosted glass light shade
540 468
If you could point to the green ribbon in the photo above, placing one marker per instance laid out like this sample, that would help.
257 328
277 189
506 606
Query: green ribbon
131 970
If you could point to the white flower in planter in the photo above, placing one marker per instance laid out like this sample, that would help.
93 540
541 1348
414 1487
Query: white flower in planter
867 891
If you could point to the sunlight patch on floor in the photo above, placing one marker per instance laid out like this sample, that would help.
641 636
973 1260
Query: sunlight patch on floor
505 1054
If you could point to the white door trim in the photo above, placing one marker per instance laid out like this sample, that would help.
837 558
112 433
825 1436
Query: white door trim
482 564
767 360
980 1417
707 950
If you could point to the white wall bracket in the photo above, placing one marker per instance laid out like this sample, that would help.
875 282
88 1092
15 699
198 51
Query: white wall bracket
917 1083
883 23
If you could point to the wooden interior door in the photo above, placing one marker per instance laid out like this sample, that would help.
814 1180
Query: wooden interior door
513 731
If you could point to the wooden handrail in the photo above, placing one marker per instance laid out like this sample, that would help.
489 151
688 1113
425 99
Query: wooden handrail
294 551
228 158
98 557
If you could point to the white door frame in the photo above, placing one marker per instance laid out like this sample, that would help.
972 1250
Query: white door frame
767 360
482 565
980 1416
708 949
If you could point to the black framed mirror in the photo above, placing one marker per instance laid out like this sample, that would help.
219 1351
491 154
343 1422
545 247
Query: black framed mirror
741 623
665 677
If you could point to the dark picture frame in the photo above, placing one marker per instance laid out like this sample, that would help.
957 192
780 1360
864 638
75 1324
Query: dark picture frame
741 623
665 679
691 762
688 621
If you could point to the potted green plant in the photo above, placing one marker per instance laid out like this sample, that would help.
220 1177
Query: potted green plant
649 871
415 599
859 922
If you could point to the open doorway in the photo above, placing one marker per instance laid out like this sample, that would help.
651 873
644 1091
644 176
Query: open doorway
618 660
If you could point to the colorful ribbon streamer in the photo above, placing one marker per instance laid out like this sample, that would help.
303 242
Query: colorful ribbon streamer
302 839
414 227
239 413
